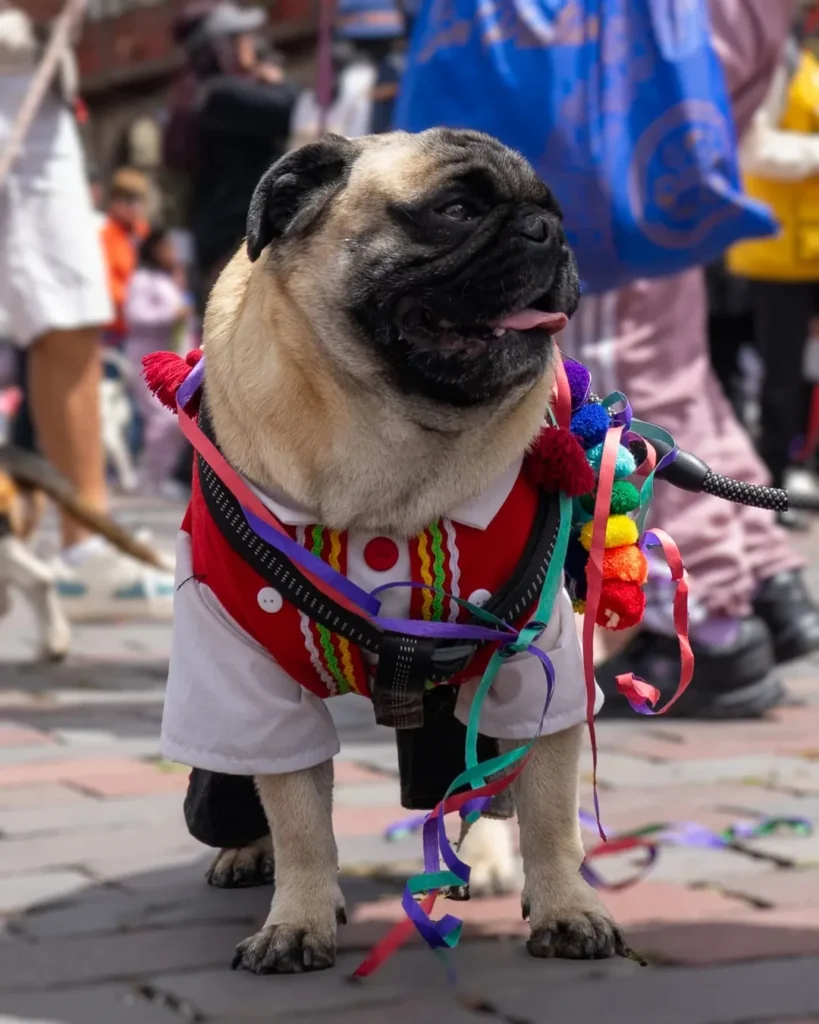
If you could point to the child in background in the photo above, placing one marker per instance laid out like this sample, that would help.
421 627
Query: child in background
158 318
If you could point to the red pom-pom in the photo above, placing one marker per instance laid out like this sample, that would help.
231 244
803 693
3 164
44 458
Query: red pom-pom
621 605
165 371
558 463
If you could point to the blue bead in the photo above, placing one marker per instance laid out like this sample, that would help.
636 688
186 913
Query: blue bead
590 424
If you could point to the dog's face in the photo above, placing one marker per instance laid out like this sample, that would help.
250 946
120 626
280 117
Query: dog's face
438 259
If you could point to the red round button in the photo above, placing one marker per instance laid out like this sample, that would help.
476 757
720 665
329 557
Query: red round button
381 554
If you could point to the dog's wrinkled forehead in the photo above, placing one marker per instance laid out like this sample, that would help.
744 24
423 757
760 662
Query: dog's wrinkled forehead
411 168
350 183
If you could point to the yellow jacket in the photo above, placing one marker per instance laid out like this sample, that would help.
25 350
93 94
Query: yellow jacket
780 161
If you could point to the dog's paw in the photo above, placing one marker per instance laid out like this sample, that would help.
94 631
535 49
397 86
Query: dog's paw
587 936
575 927
243 867
285 949
495 868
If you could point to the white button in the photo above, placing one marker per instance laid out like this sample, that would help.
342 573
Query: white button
270 600
479 597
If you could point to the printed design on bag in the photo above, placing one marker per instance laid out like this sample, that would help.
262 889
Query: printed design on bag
680 27
680 175
446 30
523 24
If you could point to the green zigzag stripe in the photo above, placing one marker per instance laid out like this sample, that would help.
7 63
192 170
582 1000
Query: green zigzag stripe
438 569
324 633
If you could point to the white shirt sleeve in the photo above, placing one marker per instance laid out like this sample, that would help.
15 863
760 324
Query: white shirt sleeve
229 707
513 708
769 152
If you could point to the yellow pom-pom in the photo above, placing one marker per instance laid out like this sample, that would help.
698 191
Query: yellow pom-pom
620 530
579 606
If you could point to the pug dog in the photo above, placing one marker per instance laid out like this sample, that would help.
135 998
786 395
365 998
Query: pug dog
379 355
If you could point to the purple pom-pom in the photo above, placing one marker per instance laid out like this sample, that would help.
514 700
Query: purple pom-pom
590 424
579 380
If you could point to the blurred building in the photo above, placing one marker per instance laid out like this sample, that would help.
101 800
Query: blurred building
127 58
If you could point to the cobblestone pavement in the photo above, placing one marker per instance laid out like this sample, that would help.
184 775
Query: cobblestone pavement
106 918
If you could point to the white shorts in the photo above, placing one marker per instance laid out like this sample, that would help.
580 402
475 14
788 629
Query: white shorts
52 271
230 708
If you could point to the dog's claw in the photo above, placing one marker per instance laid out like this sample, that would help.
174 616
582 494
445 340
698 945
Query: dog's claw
587 936
283 949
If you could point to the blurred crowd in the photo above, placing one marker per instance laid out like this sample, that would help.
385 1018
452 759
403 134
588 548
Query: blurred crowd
726 357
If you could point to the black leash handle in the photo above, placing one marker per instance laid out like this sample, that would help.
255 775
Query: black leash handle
690 473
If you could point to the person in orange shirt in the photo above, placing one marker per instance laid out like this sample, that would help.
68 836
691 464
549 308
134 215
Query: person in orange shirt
122 232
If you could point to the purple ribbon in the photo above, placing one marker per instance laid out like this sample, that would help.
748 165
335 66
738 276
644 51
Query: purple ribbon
191 384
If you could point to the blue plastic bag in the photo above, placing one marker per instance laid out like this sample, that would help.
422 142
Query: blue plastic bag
620 105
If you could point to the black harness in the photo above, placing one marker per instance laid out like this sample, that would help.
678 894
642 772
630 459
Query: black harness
430 740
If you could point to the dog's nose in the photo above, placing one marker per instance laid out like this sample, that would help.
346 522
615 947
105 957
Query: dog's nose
535 225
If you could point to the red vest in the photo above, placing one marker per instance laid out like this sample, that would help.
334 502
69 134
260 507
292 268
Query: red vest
458 559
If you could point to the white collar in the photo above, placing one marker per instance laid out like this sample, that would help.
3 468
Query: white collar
477 512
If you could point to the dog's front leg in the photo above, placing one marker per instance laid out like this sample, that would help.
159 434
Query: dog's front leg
300 931
567 918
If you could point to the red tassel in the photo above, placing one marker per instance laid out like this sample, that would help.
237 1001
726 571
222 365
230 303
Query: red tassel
558 463
165 371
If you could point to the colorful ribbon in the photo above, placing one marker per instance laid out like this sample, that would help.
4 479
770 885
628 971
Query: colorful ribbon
444 934
649 838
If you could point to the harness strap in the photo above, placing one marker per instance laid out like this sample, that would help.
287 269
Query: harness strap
446 658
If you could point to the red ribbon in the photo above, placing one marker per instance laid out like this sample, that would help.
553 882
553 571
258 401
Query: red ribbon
642 695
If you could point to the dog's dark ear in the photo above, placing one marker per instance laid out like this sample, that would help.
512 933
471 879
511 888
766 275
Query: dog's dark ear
295 189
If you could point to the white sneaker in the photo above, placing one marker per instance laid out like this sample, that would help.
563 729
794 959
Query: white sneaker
107 585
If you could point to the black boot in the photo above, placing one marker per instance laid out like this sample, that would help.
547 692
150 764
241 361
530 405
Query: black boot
730 681
787 608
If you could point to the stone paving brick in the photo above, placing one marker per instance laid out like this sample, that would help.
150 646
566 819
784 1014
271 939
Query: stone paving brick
795 850
348 773
12 735
750 935
89 912
680 864
655 901
379 795
39 797
361 850
381 757
480 965
89 813
20 892
70 766
125 846
146 781
776 887
88 960
767 770
720 995
102 1004
362 820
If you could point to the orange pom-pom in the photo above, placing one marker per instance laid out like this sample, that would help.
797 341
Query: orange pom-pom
621 605
625 563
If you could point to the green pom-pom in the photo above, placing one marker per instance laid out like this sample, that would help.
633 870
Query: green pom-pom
624 498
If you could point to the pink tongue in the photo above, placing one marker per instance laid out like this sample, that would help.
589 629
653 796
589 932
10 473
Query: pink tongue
526 319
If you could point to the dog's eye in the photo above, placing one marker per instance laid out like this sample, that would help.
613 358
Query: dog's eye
461 211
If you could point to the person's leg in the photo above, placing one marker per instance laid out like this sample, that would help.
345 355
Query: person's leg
726 336
64 383
783 312
650 342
